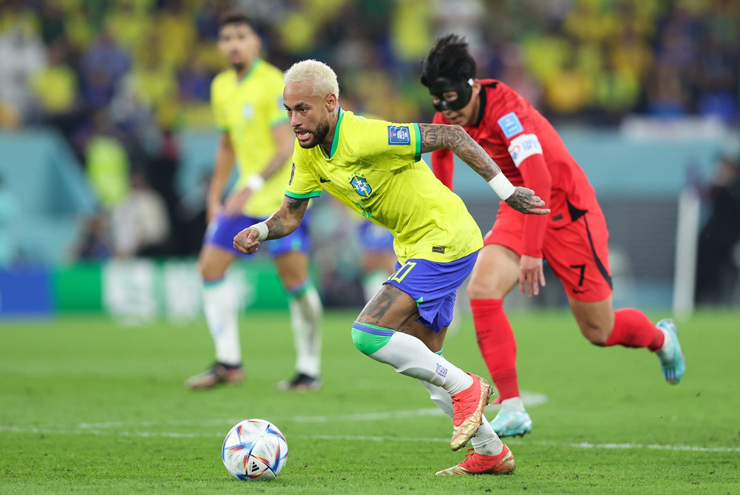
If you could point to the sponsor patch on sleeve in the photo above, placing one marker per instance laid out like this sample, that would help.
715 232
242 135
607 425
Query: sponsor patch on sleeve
510 125
523 147
399 134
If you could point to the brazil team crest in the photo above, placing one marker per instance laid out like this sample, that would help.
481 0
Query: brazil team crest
359 182
248 111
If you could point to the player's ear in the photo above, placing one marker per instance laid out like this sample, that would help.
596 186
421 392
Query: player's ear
331 102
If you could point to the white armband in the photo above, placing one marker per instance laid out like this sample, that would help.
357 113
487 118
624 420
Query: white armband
255 182
501 186
262 229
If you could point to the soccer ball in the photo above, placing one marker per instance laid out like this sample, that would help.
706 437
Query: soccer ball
254 449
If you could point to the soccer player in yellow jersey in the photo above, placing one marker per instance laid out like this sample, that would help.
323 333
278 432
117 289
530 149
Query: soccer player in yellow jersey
247 103
375 168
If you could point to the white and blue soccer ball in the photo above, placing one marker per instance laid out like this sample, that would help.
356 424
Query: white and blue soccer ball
254 449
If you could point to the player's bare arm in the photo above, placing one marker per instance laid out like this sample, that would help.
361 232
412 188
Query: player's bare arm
282 223
454 138
222 171
283 136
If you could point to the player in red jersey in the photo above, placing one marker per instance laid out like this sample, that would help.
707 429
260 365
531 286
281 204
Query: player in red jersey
573 238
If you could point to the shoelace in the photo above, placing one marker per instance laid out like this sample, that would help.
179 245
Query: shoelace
468 457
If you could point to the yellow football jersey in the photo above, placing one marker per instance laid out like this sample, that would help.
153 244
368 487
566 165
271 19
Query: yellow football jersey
248 109
375 168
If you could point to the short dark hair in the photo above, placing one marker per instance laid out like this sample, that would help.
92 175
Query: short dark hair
450 59
235 17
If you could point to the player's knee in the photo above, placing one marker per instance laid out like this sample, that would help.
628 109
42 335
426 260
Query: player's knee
367 342
209 270
482 290
205 270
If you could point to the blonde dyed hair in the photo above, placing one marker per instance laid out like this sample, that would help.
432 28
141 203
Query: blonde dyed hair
323 77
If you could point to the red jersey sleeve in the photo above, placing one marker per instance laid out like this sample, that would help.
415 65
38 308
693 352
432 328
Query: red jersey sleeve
537 177
518 132
443 161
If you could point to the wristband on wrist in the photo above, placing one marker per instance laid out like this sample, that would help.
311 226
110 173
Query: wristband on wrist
262 229
255 182
501 186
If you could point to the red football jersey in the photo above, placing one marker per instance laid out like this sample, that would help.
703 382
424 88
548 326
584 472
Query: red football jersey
529 152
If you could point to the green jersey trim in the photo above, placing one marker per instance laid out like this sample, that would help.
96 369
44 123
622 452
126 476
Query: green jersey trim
312 194
417 155
279 120
250 71
335 141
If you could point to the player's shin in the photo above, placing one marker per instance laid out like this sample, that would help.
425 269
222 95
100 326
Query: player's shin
221 311
633 329
305 315
497 344
409 356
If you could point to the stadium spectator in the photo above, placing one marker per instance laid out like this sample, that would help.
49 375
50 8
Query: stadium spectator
107 163
103 65
716 270
23 54
55 87
140 222
94 242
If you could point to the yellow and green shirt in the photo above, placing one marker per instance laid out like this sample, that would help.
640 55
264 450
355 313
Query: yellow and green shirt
375 168
248 109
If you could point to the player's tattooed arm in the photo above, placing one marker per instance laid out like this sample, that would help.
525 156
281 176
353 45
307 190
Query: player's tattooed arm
455 139
282 223
524 200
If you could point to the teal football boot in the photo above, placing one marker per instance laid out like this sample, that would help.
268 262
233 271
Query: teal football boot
671 357
512 420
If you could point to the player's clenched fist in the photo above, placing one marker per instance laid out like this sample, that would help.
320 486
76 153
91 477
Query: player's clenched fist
525 201
247 241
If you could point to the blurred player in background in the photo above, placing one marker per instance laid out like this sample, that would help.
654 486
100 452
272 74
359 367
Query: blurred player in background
248 108
573 238
375 168
378 258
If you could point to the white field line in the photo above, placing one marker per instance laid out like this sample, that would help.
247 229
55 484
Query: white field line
530 399
366 438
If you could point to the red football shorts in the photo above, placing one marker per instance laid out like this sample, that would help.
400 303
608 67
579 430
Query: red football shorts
578 252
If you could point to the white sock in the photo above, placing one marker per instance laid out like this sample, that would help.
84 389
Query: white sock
372 282
410 357
305 317
666 352
512 404
222 311
485 441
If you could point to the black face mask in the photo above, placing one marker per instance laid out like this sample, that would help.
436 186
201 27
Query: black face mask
464 90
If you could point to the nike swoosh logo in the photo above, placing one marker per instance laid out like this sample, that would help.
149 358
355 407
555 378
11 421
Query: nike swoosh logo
322 180
576 291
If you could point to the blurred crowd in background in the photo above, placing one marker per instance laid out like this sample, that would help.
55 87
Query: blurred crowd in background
121 79
150 62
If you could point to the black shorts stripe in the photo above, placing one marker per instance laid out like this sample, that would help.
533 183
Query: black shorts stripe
599 264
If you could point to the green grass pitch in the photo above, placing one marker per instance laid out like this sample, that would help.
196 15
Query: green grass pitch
89 406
